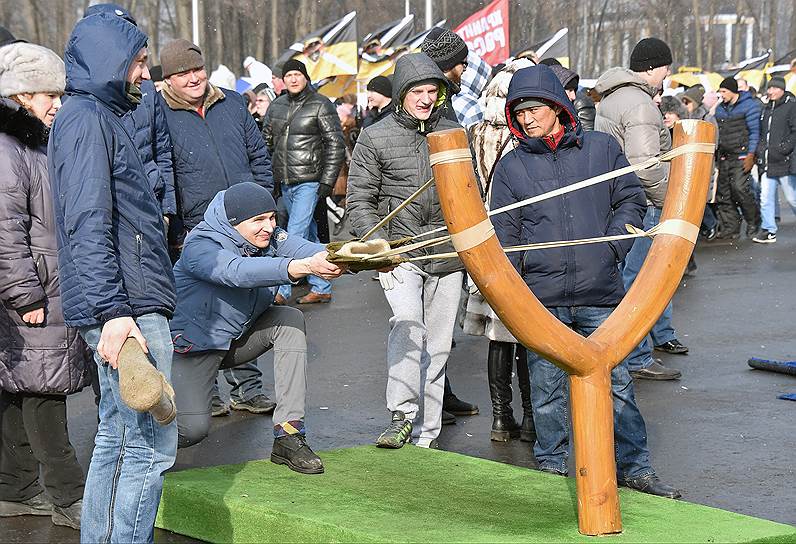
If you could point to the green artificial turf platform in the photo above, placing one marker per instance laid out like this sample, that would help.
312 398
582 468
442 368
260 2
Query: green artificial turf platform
418 495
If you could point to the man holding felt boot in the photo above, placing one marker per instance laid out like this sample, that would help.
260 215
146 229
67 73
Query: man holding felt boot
231 266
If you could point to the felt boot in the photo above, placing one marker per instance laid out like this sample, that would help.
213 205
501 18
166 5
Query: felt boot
142 386
499 366
528 430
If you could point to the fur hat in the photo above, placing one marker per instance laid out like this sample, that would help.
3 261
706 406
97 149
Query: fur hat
672 104
446 48
29 68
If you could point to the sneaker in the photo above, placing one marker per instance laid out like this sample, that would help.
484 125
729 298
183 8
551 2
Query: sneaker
68 516
458 407
765 237
39 505
448 418
673 346
218 407
656 371
651 485
258 404
292 450
397 433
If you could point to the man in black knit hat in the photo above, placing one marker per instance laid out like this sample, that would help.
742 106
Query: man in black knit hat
379 100
302 130
628 112
738 117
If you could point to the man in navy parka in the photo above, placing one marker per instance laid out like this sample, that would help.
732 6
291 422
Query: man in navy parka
116 278
580 285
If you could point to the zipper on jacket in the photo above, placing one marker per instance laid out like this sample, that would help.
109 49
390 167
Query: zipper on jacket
568 285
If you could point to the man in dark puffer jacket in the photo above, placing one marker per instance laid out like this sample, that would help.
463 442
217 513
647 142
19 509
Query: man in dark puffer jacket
216 140
390 162
303 132
738 117
579 285
116 279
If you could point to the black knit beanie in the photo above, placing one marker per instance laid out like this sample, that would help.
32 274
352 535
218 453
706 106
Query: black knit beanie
245 200
381 85
650 53
446 48
297 65
729 83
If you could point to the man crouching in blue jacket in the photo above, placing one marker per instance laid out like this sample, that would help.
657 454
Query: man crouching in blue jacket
580 285
231 266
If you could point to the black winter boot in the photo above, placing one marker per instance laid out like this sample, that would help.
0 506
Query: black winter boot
528 432
499 365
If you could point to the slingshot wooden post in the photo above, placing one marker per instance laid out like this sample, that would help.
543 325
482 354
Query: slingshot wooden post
588 361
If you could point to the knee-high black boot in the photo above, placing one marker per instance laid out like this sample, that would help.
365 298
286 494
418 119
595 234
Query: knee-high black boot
499 365
528 432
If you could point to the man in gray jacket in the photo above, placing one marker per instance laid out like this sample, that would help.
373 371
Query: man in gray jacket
628 113
390 162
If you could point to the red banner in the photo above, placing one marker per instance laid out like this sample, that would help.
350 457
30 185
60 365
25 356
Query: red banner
487 32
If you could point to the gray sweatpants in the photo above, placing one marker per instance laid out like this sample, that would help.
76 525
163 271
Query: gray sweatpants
281 328
421 329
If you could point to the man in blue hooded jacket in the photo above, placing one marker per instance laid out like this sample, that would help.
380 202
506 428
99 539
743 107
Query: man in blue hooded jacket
115 272
231 266
580 285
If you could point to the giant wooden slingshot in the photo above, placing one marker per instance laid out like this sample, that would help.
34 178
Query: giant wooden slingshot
588 361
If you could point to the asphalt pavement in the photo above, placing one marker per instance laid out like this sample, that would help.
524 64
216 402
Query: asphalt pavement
720 434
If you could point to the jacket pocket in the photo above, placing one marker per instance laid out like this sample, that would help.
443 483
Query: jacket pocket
139 258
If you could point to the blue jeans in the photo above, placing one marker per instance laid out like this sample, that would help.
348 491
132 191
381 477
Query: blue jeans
550 400
768 198
131 451
662 331
300 200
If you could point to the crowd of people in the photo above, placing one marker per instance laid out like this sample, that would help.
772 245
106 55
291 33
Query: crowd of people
180 214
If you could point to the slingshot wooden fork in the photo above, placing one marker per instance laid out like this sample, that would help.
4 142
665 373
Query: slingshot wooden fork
588 361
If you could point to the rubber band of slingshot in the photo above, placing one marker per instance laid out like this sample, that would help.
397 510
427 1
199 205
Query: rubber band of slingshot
678 227
696 147
453 155
473 236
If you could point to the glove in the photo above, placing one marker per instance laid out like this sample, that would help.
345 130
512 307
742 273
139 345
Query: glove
389 279
748 163
324 191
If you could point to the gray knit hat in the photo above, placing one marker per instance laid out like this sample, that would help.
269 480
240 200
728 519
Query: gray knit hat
446 48
180 55
29 68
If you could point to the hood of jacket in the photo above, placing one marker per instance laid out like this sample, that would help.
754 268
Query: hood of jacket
616 78
216 219
98 56
541 82
17 122
409 71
